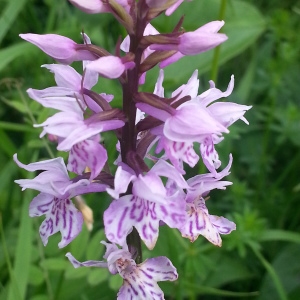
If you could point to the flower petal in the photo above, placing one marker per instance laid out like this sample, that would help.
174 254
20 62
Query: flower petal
189 89
90 263
131 211
108 66
63 217
58 98
141 283
90 6
117 219
159 268
40 204
199 222
122 180
87 153
65 76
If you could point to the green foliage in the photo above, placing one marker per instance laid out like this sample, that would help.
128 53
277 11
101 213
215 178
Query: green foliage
258 260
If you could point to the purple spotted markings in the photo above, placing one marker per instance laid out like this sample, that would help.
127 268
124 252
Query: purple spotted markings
61 216
88 153
149 203
200 222
56 190
139 280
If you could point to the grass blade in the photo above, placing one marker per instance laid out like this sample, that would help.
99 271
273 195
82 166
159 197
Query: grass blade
23 251
9 15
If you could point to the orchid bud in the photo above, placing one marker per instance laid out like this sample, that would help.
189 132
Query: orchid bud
90 6
110 66
60 48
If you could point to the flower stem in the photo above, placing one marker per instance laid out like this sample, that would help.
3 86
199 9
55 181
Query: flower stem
129 134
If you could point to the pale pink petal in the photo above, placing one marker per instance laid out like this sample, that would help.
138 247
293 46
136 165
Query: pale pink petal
89 154
213 93
63 217
189 89
223 225
149 187
190 123
90 263
86 130
199 222
90 6
192 43
201 185
125 44
40 205
122 180
172 59
159 90
153 111
108 66
127 212
159 268
58 47
178 152
62 124
65 76
119 219
141 282
52 98
86 187
172 8
162 168
209 155
90 78
55 165
227 112
211 27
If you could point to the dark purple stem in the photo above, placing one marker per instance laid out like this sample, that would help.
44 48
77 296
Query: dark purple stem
129 133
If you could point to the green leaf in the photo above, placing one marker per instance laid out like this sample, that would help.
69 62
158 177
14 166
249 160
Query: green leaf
17 105
287 267
115 282
6 144
7 172
36 276
10 53
279 235
79 244
9 14
279 290
23 251
204 290
95 249
72 273
234 269
40 297
96 276
55 264
16 127
35 143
